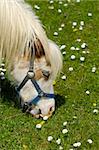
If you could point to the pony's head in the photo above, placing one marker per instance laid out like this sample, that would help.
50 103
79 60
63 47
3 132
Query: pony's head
20 33
45 74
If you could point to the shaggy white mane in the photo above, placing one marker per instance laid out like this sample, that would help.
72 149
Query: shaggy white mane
18 26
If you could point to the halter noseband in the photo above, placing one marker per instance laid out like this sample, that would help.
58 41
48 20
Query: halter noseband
30 76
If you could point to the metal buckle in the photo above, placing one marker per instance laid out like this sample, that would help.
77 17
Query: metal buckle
41 94
30 74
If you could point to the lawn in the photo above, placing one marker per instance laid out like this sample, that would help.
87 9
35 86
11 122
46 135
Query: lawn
73 104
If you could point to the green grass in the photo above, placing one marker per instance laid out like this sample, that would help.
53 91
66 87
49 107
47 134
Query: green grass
17 130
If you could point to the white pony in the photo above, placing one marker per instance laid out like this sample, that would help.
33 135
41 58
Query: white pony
21 39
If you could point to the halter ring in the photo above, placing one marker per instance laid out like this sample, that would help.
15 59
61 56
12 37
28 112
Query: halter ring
31 74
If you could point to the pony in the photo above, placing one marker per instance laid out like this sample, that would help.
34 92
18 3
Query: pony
22 38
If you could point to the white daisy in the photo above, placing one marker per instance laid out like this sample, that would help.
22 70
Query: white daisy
74 23
87 52
60 29
59 10
82 23
89 141
64 131
63 77
89 14
2 65
78 1
94 69
62 25
83 45
78 40
95 111
65 123
64 53
78 144
84 52
60 2
62 47
1 69
82 59
87 92
72 48
80 28
65 4
51 2
77 48
58 141
74 117
50 138
51 7
2 74
68 1
45 118
73 57
38 126
60 148
4 70
70 68
56 33
36 7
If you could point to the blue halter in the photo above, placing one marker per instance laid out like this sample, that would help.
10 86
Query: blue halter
30 76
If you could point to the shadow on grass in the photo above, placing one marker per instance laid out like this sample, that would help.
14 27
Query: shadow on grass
59 100
9 95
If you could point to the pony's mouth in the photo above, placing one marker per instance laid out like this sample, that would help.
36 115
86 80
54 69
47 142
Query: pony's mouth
36 111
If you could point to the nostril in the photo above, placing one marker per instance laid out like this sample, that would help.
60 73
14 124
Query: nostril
39 111
50 108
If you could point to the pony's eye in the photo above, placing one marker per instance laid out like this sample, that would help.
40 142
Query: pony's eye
46 74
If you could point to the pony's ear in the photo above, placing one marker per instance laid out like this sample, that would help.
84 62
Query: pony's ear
39 50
